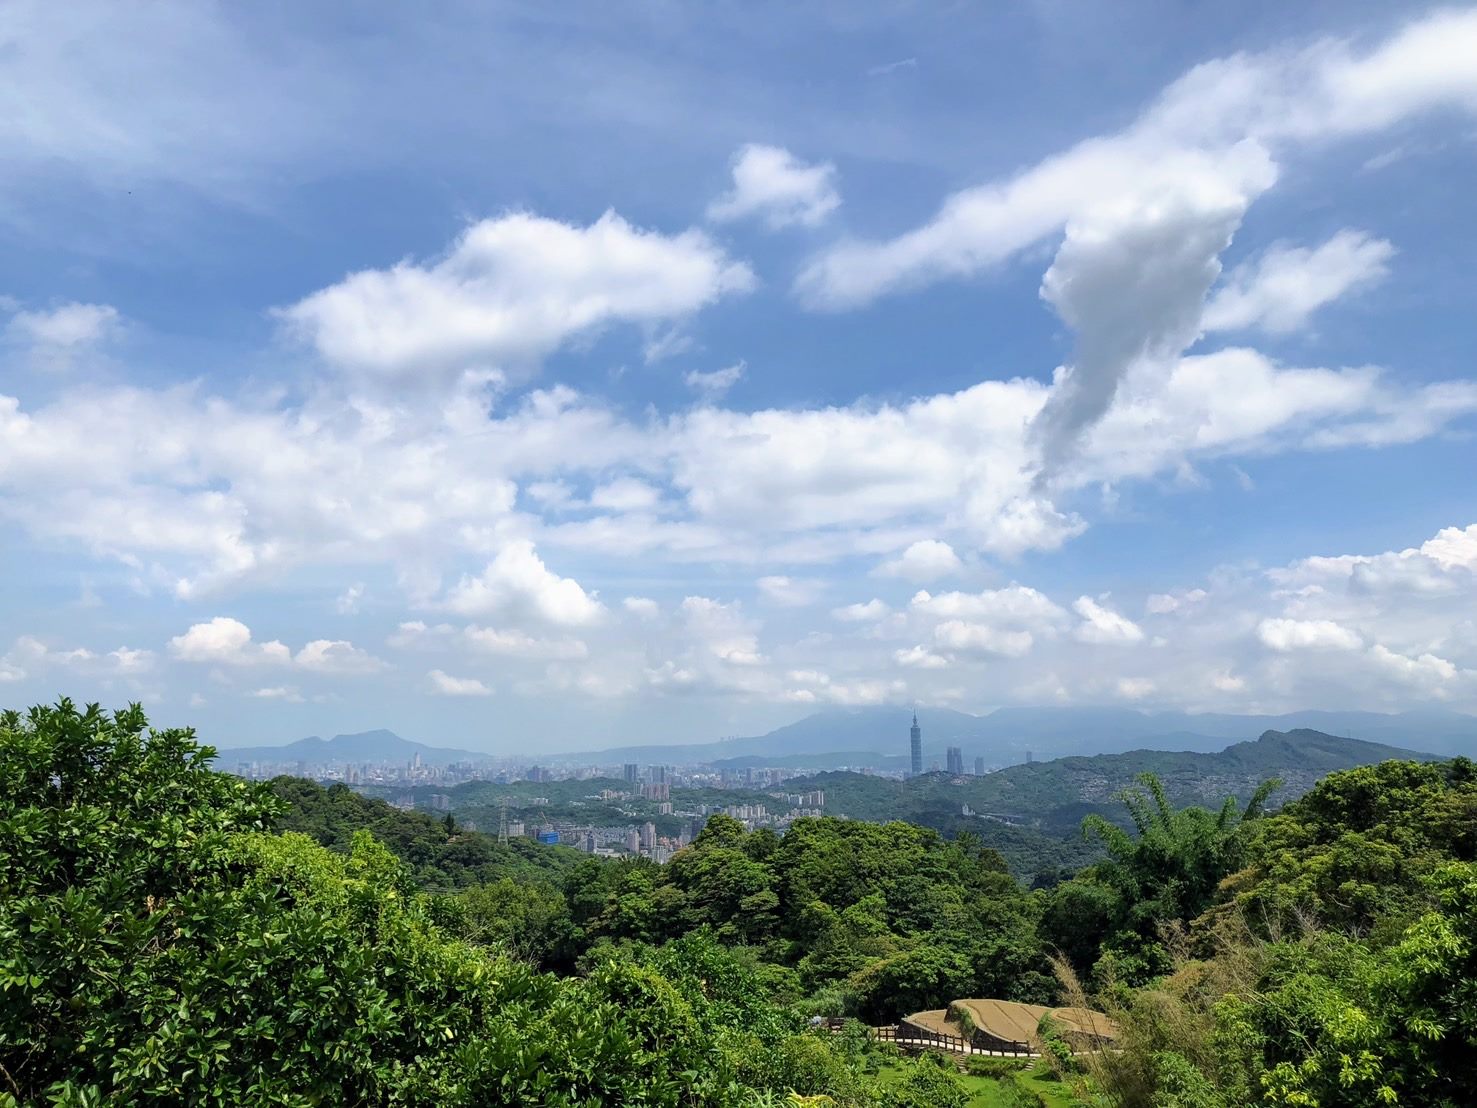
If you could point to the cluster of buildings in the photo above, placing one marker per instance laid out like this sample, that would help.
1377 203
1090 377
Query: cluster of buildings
953 756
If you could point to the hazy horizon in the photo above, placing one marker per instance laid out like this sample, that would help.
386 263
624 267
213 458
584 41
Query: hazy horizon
903 711
564 378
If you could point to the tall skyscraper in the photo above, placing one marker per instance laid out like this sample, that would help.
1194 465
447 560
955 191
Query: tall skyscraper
954 758
979 766
632 772
915 734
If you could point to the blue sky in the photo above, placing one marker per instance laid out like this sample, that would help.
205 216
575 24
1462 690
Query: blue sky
537 377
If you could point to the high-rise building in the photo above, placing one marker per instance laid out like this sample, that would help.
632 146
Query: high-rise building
954 759
648 835
979 767
632 773
915 735
657 775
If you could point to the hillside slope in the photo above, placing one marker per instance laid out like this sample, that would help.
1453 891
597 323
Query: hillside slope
1027 811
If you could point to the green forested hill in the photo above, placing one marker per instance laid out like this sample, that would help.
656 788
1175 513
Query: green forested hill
1033 813
440 857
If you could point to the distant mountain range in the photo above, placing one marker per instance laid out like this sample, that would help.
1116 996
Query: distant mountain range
365 746
1006 735
878 737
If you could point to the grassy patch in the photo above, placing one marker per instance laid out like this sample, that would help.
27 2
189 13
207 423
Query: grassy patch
994 1092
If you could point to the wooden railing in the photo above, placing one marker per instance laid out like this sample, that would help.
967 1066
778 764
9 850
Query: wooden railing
908 1037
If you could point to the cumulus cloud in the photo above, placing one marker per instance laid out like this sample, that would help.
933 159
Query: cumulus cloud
1134 688
508 292
1306 634
715 383
789 592
347 603
1275 101
516 584
1014 606
770 182
336 656
444 684
1101 624
1130 279
1424 671
871 610
625 494
957 634
29 656
1279 291
518 644
1148 211
919 657
1163 603
925 560
68 329
721 629
642 606
227 641
279 692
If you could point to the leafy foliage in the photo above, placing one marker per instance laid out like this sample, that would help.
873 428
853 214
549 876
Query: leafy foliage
1338 966
159 946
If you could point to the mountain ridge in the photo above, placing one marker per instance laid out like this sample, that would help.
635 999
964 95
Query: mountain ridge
378 745
1007 734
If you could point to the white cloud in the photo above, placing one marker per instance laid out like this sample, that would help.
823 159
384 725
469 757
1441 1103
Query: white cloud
509 291
626 494
1306 634
1425 671
955 634
516 584
789 592
226 641
348 602
1135 688
446 685
1453 548
1202 131
721 629
1103 625
127 660
517 644
1130 278
1287 284
29 655
925 560
641 606
65 329
715 383
1148 211
1165 603
279 692
870 611
336 656
771 182
919 657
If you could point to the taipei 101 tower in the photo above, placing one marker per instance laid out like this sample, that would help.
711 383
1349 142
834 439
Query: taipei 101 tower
916 735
